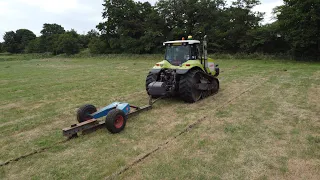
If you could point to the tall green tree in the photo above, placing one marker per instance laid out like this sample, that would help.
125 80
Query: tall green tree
190 17
35 46
226 27
23 37
92 34
266 39
52 29
242 20
128 26
153 25
67 43
300 24
173 13
97 46
16 42
49 34
84 39
10 43
211 19
115 12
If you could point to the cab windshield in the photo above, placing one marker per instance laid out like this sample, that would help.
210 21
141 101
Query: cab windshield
177 55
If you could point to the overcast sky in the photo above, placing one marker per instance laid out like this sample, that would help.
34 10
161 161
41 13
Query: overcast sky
81 15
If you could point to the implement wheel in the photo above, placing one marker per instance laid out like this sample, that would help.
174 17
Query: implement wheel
116 121
83 113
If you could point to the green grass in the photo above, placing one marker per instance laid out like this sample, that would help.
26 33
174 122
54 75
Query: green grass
270 132
23 57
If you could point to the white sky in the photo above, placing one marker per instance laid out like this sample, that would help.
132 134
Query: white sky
81 15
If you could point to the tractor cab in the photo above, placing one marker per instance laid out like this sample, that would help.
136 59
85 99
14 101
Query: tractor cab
179 52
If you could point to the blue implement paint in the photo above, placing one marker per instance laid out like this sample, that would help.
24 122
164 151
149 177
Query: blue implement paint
125 107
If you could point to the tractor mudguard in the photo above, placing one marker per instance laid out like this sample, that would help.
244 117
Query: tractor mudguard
182 71
155 71
217 71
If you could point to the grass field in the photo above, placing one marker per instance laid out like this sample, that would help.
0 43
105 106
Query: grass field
263 124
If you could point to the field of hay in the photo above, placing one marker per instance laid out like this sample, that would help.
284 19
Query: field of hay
263 124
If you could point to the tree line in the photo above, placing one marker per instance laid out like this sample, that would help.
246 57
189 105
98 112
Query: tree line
135 27
54 39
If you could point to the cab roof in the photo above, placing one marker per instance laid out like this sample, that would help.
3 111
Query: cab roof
182 41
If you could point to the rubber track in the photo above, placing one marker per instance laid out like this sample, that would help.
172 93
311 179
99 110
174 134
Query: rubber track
187 129
185 86
150 78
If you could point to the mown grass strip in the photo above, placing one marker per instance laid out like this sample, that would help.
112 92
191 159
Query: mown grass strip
187 129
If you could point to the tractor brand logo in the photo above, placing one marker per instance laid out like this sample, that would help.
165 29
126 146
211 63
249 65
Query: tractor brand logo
211 65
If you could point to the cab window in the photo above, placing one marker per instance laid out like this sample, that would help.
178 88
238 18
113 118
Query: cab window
177 55
194 52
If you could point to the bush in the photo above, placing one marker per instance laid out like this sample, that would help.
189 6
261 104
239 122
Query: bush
34 46
67 43
85 53
97 46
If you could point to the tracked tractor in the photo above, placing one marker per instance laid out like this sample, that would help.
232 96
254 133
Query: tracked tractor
186 71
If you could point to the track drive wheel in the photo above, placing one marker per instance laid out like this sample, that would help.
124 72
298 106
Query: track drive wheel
116 121
83 113
187 89
151 78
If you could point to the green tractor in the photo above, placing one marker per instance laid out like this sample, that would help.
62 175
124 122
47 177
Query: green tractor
186 72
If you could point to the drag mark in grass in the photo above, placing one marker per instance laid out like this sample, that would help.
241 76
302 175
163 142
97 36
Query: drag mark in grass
33 153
